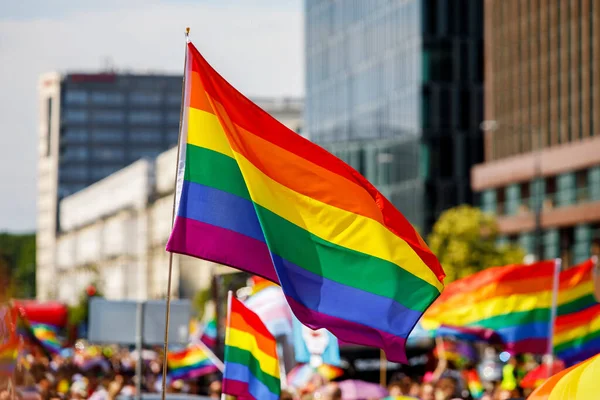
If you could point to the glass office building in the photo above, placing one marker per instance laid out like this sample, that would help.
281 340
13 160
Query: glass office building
108 121
395 89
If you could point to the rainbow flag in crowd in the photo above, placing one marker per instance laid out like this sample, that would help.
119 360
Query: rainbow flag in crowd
9 350
260 283
251 363
473 383
189 363
8 356
209 335
514 301
47 335
577 328
256 196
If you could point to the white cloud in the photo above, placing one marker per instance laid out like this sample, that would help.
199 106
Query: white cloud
257 48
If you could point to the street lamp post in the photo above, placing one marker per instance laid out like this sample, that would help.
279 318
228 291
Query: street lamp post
492 126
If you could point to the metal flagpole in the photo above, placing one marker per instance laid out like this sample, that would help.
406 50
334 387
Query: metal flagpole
382 368
553 307
168 308
229 296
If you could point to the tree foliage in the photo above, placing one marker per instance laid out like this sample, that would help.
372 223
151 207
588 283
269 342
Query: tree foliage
18 253
465 241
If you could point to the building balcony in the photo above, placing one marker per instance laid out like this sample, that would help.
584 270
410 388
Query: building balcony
554 214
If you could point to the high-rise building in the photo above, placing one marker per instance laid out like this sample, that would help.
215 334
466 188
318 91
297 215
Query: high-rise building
92 125
541 174
395 88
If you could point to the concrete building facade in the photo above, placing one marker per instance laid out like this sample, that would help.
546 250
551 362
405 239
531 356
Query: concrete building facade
113 232
542 106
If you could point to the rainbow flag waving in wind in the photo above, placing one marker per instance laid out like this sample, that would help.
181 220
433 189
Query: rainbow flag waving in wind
251 363
209 335
47 335
256 196
189 363
513 301
577 327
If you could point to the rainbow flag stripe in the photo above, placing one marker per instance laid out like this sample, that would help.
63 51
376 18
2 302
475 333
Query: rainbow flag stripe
579 382
251 363
8 356
514 301
577 328
189 363
47 335
474 383
209 335
256 196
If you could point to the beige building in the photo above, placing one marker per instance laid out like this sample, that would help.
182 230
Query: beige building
114 231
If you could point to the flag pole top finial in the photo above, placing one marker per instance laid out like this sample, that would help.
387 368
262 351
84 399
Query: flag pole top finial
187 31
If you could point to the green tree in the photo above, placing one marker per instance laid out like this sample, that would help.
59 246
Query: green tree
18 251
465 241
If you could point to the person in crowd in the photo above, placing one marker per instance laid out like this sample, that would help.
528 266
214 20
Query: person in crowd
214 390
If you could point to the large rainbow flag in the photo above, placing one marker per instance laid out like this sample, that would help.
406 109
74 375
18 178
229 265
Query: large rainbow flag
577 328
514 301
189 363
256 196
251 363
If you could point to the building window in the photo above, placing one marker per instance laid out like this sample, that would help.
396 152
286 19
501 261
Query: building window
107 98
581 182
488 201
145 117
107 135
566 192
108 154
594 183
74 135
513 199
75 116
76 97
173 117
551 244
144 98
174 99
73 173
145 136
108 117
582 243
74 153
144 153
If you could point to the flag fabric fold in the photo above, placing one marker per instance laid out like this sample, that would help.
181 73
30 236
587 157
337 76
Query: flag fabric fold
47 336
189 363
256 196
577 327
251 362
514 301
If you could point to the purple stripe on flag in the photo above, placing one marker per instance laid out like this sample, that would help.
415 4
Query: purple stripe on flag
223 246
534 346
353 332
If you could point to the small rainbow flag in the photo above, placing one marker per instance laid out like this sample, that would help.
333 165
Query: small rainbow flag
47 335
254 195
209 335
473 383
8 357
577 327
189 363
514 301
251 363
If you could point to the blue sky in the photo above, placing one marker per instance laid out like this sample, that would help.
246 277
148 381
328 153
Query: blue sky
256 44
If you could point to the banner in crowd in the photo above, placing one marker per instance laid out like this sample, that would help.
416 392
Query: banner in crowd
318 347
